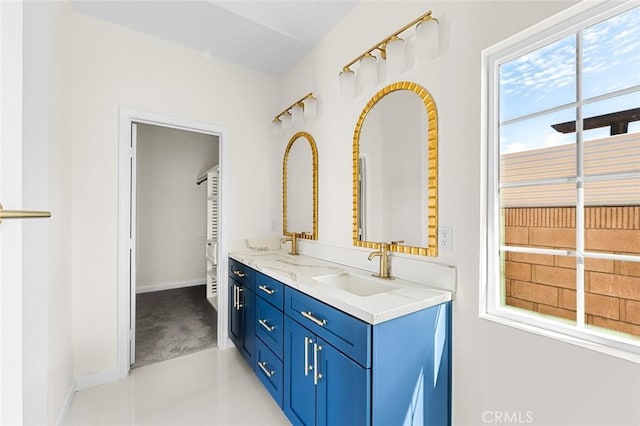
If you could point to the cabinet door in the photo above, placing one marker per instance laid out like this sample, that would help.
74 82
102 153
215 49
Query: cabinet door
269 370
299 388
343 394
235 314
270 326
248 308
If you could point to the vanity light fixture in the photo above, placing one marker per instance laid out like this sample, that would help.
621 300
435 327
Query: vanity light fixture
347 83
427 40
306 107
368 70
391 51
395 57
285 119
310 107
296 113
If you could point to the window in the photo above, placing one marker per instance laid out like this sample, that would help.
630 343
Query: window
562 115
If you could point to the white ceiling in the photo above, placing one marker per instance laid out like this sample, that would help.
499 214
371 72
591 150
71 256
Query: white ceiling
270 36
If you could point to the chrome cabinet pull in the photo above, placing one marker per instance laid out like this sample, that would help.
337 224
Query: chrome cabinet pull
265 370
239 274
266 289
316 374
309 315
235 297
307 366
240 290
267 327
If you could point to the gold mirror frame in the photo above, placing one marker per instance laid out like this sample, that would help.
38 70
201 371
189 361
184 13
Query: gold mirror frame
432 161
314 154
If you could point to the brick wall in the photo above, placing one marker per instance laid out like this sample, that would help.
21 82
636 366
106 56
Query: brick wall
547 284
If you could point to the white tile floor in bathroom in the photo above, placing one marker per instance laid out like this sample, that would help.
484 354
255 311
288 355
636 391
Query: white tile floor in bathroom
212 387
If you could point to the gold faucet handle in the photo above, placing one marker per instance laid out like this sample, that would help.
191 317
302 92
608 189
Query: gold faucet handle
395 243
292 237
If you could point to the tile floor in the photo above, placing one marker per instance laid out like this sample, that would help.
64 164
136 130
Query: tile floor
211 387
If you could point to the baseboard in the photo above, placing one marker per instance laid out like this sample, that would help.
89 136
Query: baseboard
62 416
170 286
99 378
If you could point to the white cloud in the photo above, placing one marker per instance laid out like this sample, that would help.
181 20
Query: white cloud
545 77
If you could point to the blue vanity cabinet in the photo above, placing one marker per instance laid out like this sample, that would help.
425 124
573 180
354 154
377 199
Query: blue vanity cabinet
242 307
322 385
235 314
349 335
327 364
397 372
411 371
270 290
270 370
270 326
300 390
248 305
326 367
269 329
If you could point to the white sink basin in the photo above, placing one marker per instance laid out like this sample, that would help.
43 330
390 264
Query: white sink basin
360 285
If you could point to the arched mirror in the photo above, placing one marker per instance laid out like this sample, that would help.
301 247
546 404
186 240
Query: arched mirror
395 171
300 187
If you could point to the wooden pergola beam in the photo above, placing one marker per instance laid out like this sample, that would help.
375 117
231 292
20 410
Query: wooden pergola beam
617 121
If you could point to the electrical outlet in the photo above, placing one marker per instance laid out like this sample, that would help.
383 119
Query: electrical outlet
445 237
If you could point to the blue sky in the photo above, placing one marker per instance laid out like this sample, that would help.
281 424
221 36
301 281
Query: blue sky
545 78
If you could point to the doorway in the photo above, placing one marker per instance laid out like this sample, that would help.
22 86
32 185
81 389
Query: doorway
129 221
173 316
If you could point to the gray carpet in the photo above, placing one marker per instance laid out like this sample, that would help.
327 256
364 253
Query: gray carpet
173 323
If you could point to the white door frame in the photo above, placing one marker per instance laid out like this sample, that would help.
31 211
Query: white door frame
24 247
125 243
133 209
12 383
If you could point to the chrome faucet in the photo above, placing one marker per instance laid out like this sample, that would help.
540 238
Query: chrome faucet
384 261
293 238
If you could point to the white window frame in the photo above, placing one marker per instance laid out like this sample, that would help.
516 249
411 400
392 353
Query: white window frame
566 23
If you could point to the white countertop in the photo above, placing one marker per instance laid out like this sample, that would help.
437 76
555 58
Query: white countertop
297 271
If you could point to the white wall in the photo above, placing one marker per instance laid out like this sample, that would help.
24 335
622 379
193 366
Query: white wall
60 347
115 67
495 367
171 211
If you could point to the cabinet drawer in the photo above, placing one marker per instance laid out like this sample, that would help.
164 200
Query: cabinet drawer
270 290
344 332
242 273
269 370
270 326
